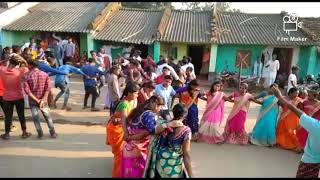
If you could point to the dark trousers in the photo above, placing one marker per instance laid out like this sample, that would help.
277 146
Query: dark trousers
1 103
8 112
94 95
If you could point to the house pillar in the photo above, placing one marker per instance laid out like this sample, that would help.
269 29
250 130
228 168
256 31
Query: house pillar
156 51
86 43
312 60
213 59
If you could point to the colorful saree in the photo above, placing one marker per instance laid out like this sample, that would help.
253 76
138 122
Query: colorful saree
264 132
287 126
115 136
192 118
135 151
311 110
165 159
210 131
234 132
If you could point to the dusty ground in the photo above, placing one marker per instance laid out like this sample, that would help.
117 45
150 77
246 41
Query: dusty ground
80 150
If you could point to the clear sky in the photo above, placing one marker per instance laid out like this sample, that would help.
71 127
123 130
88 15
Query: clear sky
302 9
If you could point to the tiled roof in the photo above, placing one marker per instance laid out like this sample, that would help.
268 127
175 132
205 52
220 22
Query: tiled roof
131 25
258 29
312 26
188 27
58 17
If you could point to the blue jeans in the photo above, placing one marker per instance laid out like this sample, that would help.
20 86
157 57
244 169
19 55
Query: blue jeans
59 62
36 118
64 89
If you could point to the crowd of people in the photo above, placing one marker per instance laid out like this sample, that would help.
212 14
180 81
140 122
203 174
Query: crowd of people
149 134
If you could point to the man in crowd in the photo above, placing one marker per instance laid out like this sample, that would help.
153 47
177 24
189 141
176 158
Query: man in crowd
292 80
166 91
114 87
37 85
90 84
70 50
257 69
165 72
11 77
63 83
58 53
148 62
273 67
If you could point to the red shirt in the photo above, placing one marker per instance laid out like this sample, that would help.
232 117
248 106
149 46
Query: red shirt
37 82
1 87
160 79
12 79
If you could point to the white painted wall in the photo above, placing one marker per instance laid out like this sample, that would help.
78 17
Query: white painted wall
15 13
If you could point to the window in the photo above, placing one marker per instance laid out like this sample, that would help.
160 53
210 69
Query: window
173 52
245 57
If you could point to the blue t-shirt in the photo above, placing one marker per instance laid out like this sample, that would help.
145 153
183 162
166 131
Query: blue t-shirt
312 149
165 94
91 71
67 69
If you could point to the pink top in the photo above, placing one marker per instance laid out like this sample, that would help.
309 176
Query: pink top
11 78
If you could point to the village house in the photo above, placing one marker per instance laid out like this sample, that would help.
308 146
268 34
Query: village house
48 21
243 36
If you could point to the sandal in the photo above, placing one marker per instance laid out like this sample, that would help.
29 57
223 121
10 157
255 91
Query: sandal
25 135
5 136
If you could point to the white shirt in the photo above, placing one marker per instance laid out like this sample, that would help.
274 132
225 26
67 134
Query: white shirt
184 67
292 78
274 66
172 71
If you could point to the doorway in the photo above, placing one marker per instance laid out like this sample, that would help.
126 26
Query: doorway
196 53
143 48
284 55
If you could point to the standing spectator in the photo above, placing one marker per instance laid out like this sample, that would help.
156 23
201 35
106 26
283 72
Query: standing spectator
166 91
114 88
13 96
90 84
257 69
148 62
273 67
70 50
292 80
37 85
165 72
31 44
165 64
58 53
205 62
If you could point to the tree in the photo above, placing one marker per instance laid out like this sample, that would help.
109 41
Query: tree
222 6
146 5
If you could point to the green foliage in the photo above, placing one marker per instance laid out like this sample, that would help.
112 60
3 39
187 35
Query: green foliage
146 5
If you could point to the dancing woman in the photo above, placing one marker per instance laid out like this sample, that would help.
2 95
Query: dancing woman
141 124
234 132
115 127
169 155
289 122
210 130
311 107
264 132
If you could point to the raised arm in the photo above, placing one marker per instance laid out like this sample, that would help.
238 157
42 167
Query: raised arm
292 107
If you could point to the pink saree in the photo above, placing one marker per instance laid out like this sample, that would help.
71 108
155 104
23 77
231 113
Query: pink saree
311 110
210 130
134 155
234 132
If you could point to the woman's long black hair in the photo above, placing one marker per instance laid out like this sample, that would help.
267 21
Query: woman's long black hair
131 87
213 84
179 111
150 104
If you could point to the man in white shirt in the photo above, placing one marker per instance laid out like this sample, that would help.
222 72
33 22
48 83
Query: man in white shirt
257 69
172 71
273 67
188 64
292 80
